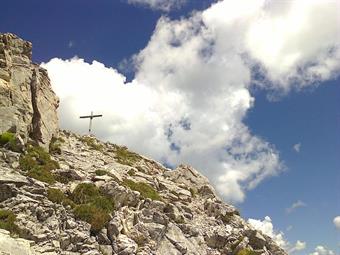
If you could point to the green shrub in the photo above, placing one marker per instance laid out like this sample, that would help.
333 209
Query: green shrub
59 177
7 221
95 216
144 189
85 193
131 172
38 164
93 206
55 144
246 252
104 203
37 156
100 172
57 196
8 138
92 143
193 192
41 174
126 157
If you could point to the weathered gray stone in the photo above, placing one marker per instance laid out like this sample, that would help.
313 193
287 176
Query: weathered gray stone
28 105
14 246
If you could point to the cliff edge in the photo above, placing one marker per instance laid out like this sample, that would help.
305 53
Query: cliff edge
28 105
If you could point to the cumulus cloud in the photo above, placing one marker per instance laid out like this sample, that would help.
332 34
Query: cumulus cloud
191 90
321 250
296 205
297 147
299 246
267 228
163 5
296 42
336 222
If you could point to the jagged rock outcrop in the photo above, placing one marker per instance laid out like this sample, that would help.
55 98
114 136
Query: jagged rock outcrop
28 105
90 197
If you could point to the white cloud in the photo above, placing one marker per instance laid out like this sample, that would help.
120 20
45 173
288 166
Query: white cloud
297 42
267 228
295 205
297 147
289 228
321 250
191 90
299 246
164 5
336 222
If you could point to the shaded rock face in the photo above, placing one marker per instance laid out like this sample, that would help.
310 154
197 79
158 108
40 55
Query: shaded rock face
28 105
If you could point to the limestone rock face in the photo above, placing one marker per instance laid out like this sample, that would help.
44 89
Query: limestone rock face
186 217
14 246
28 105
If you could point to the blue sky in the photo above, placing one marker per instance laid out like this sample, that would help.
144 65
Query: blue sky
305 112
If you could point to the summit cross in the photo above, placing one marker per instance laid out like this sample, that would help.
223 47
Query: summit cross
90 117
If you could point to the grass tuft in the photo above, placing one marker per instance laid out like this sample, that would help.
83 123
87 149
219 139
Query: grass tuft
92 143
126 157
55 145
101 172
41 174
57 196
93 206
246 252
38 164
7 221
97 217
85 193
8 138
144 189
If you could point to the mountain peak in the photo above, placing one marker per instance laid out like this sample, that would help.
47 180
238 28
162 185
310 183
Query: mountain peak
62 193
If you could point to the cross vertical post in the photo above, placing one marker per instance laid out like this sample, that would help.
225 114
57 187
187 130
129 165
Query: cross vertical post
90 117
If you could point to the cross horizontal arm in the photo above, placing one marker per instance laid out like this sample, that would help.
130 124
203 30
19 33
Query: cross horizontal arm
90 116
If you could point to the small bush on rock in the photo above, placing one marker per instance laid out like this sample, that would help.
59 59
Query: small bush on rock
126 157
95 216
93 206
37 156
85 193
55 144
103 203
144 189
8 138
100 172
57 196
41 174
246 252
7 221
92 143
38 164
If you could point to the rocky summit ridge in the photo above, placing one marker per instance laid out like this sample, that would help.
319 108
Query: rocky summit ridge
62 193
